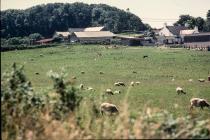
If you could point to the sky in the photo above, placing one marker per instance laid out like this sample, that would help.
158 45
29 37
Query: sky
153 12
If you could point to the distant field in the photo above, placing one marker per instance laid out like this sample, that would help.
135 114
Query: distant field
155 73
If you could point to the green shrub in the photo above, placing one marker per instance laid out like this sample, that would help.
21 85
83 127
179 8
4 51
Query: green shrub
69 98
18 101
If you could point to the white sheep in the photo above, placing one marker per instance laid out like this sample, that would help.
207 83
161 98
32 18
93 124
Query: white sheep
201 80
81 86
132 83
117 92
190 80
137 82
89 88
119 84
108 108
116 84
109 91
180 90
198 102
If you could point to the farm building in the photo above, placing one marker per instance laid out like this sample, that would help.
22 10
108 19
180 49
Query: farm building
198 41
129 40
92 37
64 35
171 34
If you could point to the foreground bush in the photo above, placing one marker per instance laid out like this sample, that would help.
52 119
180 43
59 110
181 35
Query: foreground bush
62 114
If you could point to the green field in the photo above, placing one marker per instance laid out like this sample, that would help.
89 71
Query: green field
157 90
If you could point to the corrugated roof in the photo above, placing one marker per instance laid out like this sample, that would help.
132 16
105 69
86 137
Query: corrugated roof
128 37
64 34
89 29
176 29
94 34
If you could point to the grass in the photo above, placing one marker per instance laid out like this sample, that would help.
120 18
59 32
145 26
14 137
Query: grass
157 90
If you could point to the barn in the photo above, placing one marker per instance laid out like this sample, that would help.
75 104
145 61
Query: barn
92 37
198 41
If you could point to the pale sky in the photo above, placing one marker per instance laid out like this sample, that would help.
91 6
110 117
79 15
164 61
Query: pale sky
154 12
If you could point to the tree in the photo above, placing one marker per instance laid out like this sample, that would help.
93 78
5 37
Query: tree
191 22
207 22
35 36
199 22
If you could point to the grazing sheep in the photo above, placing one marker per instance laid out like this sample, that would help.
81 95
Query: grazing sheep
134 72
74 77
180 90
197 102
81 86
173 79
190 80
117 92
121 83
89 88
137 82
116 84
145 56
201 80
101 72
108 108
132 83
109 91
37 73
82 72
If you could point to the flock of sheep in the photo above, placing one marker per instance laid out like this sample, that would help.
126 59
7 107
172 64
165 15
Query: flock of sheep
108 108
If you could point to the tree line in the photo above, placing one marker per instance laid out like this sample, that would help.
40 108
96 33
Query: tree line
190 21
46 19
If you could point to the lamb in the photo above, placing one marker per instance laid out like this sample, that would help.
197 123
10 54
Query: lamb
179 90
132 83
198 102
109 91
108 109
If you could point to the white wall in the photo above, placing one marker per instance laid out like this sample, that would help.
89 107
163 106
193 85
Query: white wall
165 32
